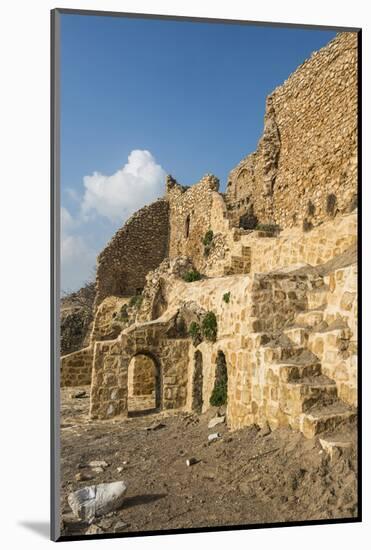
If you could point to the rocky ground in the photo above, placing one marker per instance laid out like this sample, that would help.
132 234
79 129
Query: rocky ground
245 477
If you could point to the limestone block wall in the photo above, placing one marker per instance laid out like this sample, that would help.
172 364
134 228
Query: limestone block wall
295 246
109 390
191 216
76 367
263 302
104 318
135 249
336 346
305 166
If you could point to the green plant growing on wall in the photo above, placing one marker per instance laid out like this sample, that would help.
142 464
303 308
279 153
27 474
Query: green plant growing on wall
219 395
191 276
208 241
209 326
136 301
227 297
195 333
208 237
122 315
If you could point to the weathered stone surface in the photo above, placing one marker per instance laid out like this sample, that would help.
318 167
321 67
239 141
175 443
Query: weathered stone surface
97 500
305 165
284 299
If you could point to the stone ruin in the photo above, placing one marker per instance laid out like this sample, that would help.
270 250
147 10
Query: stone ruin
261 279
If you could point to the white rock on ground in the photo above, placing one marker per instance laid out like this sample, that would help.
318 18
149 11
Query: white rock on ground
213 437
215 421
97 500
98 464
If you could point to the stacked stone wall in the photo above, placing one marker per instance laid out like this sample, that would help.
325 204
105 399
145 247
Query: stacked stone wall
138 247
76 368
109 390
305 168
191 216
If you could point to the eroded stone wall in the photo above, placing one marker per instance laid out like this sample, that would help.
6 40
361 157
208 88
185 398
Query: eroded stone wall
135 249
76 368
305 168
336 344
191 217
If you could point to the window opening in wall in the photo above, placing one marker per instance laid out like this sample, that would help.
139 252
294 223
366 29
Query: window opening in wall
187 224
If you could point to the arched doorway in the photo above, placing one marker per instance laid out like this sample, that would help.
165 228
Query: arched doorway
197 383
219 394
143 384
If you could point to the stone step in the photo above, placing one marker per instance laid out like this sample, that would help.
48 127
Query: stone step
317 298
299 396
246 251
310 318
290 353
297 335
294 372
240 264
264 234
325 419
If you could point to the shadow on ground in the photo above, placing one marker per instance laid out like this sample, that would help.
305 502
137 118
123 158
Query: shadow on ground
41 528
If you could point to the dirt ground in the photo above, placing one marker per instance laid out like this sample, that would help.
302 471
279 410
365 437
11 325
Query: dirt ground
246 477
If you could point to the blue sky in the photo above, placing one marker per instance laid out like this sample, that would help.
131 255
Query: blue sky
141 98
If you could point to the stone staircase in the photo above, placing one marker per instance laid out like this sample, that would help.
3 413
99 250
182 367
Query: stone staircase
239 263
298 386
305 395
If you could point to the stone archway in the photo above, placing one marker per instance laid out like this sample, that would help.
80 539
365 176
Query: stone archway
144 384
197 383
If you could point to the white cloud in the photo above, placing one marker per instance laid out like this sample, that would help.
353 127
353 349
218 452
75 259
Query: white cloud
67 222
77 258
117 196
113 198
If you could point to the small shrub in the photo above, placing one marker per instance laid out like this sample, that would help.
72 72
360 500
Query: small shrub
191 276
307 225
136 301
219 394
195 332
208 237
208 242
220 391
269 227
122 315
226 297
210 326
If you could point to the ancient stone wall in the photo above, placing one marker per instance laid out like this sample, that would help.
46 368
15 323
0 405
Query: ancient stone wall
135 249
191 216
76 368
336 345
109 390
104 326
305 168
250 252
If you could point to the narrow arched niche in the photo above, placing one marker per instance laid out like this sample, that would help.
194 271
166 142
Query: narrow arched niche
143 384
187 226
197 382
219 395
